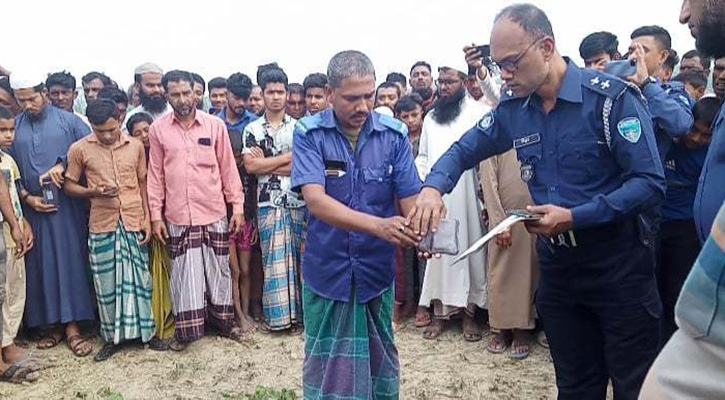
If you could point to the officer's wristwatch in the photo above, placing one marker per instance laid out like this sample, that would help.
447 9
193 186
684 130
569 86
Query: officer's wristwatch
650 79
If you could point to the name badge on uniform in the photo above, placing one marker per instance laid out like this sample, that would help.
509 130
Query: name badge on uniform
527 140
527 172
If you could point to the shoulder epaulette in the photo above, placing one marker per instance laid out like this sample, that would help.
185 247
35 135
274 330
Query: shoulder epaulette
394 124
304 124
603 83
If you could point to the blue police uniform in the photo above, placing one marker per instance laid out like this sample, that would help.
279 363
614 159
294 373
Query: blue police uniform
366 179
594 153
678 244
711 189
671 110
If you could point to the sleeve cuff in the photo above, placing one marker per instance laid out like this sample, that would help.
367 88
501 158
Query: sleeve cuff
302 180
584 215
238 208
156 215
438 181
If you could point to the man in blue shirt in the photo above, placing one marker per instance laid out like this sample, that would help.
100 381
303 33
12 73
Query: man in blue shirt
588 153
351 165
668 103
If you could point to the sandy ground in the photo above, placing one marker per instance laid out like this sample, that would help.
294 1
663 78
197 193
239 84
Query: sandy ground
215 368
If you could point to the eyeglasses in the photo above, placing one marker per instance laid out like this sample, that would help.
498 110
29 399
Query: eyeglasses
447 82
512 66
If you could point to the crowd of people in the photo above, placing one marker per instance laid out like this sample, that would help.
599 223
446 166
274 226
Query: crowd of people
152 214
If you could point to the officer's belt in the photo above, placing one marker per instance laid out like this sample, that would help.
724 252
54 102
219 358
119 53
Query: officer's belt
589 237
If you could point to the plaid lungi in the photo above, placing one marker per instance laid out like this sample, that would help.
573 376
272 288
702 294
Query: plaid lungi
200 274
280 232
120 268
349 349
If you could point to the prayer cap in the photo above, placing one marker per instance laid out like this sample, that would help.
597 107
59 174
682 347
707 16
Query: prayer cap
26 80
148 67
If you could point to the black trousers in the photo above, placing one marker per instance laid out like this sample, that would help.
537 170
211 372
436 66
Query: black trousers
677 250
600 309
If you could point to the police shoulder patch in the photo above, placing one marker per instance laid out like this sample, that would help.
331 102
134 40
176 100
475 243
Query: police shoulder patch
630 129
486 122
394 124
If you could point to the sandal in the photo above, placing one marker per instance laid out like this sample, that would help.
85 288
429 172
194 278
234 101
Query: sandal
434 330
106 352
177 345
19 375
422 320
236 334
263 327
471 331
498 343
296 329
76 343
158 344
50 341
519 350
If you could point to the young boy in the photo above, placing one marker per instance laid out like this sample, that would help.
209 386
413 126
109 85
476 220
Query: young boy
18 242
678 240
15 284
138 126
114 166
240 244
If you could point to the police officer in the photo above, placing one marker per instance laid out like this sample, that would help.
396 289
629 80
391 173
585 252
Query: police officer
588 153
353 167
669 103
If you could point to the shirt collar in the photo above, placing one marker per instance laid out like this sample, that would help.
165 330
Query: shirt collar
571 87
330 121
93 139
197 117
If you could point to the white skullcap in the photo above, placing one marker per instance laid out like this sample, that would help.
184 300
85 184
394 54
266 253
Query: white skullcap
20 80
148 67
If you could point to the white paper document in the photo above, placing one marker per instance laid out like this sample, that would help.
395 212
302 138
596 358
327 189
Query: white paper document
498 229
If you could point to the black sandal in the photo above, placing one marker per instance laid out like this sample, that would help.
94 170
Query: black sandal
106 352
18 375
158 344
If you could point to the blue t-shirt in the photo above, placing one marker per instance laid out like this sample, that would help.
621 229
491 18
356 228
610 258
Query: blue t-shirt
682 171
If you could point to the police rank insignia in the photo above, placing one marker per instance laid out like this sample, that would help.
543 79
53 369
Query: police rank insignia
486 122
630 129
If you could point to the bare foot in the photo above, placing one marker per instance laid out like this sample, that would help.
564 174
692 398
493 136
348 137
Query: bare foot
13 354
247 324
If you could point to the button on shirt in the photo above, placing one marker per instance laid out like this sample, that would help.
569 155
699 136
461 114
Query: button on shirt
122 166
565 154
192 171
711 188
378 172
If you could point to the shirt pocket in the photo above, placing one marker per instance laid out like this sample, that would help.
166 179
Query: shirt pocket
530 156
205 153
582 161
339 188
127 176
378 188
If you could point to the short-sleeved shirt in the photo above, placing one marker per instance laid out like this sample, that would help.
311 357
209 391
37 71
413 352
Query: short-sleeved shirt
273 190
122 166
603 170
367 179
12 176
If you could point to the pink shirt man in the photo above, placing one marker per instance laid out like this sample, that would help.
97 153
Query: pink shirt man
192 173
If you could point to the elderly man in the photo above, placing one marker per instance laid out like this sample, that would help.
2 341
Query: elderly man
593 175
352 164
57 282
192 177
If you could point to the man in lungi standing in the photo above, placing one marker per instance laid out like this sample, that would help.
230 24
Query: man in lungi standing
352 164
192 177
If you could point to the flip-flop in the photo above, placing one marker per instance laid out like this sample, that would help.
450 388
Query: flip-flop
421 321
158 344
177 346
434 330
519 356
497 337
236 334
19 375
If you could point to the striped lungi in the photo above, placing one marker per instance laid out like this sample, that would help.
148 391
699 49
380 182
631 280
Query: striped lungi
349 349
201 285
281 232
120 268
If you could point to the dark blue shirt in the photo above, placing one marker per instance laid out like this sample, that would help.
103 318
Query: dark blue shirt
711 189
241 124
671 110
566 156
682 171
379 171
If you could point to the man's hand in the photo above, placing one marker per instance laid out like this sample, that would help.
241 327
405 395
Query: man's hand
160 231
256 152
236 223
638 55
504 239
55 174
474 58
428 210
555 220
20 245
104 191
146 231
28 234
39 205
396 230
